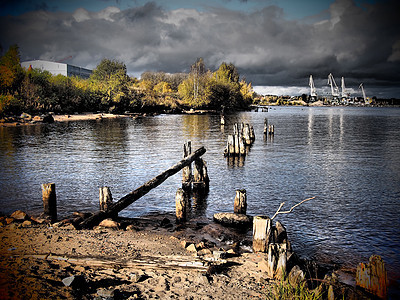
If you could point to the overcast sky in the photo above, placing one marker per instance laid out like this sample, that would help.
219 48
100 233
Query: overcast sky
275 44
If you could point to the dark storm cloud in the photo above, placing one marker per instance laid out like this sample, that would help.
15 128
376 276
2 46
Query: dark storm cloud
360 43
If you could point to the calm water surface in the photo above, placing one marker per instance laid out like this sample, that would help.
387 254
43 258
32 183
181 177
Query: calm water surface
349 158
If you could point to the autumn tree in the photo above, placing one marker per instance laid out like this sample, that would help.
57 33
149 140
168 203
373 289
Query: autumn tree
111 82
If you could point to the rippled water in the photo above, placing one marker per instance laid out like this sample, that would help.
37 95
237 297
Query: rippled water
349 158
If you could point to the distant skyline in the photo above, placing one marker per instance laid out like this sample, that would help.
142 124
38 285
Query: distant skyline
275 44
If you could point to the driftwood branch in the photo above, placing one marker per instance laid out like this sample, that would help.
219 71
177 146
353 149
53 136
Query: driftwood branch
290 210
127 200
175 262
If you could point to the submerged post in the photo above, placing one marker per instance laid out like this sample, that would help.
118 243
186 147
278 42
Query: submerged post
49 201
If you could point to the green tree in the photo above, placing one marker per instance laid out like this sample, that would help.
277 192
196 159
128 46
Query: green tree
111 81
227 73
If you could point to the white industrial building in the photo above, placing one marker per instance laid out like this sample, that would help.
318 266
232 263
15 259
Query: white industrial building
56 68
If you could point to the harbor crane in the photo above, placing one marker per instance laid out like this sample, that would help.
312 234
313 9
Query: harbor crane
334 87
313 92
363 92
344 94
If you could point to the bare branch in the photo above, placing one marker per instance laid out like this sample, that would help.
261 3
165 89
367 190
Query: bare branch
290 210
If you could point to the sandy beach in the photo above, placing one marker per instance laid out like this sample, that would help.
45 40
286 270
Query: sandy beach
142 261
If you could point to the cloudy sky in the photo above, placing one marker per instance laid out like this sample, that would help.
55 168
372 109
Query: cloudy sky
275 44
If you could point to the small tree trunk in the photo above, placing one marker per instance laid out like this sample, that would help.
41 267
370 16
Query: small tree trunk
261 233
49 201
240 203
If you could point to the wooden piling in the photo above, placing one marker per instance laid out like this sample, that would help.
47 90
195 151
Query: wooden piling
49 201
252 135
240 203
180 206
222 120
265 126
261 233
271 129
242 137
231 144
200 175
187 171
105 198
246 134
373 277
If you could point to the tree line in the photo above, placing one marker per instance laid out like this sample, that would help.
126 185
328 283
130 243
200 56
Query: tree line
111 89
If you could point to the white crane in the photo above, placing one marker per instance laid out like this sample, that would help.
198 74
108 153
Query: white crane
363 92
344 94
334 87
313 92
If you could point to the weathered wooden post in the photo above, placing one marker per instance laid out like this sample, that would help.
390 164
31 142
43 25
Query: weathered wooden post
222 120
49 201
261 233
252 135
200 175
180 206
187 171
237 145
242 146
231 145
240 203
271 129
373 277
246 134
105 198
265 126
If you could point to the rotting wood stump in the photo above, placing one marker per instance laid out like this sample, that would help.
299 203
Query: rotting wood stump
373 277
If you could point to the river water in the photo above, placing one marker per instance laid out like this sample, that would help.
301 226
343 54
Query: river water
349 158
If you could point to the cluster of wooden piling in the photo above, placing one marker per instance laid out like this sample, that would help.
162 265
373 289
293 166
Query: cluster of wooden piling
268 129
198 182
242 137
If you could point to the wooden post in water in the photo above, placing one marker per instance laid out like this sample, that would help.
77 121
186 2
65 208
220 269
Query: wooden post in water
240 203
222 120
231 145
246 134
105 198
265 126
271 129
200 175
49 201
180 206
187 171
252 135
262 226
